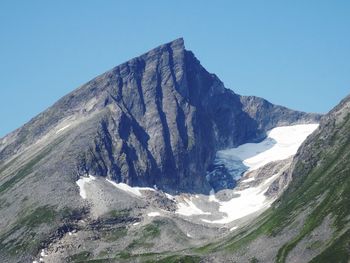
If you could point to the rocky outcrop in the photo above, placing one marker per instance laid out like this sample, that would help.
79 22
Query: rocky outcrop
268 115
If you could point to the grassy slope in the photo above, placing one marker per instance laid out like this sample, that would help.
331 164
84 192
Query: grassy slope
331 180
326 189
23 236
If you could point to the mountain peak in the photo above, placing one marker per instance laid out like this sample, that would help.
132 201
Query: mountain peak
179 42
176 44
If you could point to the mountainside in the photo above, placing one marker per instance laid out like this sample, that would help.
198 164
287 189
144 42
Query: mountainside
155 121
310 222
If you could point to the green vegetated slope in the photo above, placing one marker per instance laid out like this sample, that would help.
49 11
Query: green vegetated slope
329 182
31 219
321 186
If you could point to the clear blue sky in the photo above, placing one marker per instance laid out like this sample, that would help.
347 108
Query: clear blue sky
293 53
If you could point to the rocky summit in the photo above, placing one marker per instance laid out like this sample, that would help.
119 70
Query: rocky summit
157 161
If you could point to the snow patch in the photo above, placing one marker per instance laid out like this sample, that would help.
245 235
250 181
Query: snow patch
249 200
212 197
81 183
188 208
153 214
43 253
281 143
169 196
126 188
132 190
247 180
135 224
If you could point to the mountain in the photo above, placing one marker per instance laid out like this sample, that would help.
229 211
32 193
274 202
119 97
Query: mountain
155 121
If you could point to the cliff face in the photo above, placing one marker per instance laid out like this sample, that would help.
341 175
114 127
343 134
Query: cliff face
157 119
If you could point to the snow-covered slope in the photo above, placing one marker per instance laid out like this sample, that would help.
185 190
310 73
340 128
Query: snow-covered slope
248 197
281 143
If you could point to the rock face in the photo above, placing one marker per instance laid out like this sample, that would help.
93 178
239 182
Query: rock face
156 119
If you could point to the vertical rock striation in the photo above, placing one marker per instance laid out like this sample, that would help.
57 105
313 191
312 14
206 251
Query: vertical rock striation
157 119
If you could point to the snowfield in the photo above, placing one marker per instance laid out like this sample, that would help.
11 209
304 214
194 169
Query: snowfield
133 190
188 208
280 144
153 214
250 200
81 183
